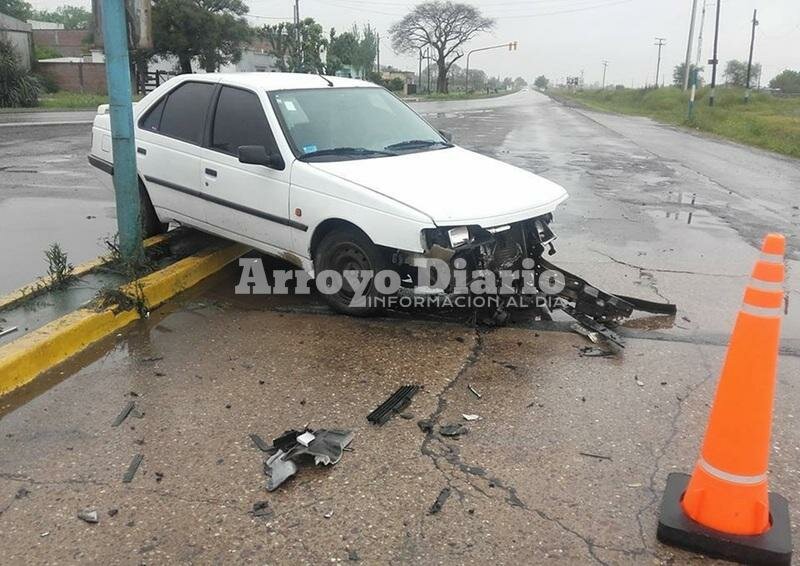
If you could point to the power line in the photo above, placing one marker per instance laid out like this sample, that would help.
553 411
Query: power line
539 15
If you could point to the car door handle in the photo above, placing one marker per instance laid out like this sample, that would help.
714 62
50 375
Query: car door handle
141 150
211 172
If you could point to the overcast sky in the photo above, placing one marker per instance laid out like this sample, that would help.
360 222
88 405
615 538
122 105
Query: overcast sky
563 37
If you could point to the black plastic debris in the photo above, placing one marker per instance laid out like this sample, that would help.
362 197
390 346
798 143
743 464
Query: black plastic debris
124 413
440 501
131 471
394 404
261 445
425 426
261 509
295 448
453 430
592 352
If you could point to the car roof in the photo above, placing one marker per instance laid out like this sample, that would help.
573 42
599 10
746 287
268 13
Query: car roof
276 81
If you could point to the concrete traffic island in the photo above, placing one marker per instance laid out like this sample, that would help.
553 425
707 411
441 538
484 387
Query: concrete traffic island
43 348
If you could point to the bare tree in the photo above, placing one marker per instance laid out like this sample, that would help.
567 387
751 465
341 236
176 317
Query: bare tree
445 26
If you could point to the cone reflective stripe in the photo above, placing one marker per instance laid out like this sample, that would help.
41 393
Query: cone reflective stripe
728 489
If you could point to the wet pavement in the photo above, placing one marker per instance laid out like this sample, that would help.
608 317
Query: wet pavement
571 453
49 193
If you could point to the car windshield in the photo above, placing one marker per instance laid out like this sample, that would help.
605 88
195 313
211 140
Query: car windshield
335 124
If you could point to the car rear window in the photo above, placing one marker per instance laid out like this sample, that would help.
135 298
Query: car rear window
184 114
240 120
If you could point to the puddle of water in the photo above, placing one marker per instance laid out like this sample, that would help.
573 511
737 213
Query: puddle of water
29 225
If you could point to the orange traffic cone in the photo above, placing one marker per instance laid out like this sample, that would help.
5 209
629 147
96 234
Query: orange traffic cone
724 509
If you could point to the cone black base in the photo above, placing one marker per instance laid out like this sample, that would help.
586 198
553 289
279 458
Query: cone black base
676 529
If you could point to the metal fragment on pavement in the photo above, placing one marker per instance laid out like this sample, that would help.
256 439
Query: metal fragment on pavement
88 515
279 470
124 413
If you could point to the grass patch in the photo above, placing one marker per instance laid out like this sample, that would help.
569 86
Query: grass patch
460 95
767 121
70 100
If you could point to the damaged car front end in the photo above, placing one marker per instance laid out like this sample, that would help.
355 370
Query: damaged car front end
507 263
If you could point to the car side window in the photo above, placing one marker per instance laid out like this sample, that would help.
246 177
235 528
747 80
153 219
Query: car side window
184 113
240 120
152 119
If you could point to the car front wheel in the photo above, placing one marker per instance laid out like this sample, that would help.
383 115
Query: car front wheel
350 249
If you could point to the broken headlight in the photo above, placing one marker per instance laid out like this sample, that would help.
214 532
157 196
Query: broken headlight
458 236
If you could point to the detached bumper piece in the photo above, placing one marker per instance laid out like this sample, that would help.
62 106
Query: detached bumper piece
595 309
394 404
294 448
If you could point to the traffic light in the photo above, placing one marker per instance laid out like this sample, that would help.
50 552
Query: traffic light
512 46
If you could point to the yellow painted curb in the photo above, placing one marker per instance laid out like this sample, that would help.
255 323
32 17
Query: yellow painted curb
24 359
33 289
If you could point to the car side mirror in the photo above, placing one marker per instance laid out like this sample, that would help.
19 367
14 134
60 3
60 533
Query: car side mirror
258 155
447 135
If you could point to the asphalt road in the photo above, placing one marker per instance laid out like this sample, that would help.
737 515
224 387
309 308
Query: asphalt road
570 457
49 193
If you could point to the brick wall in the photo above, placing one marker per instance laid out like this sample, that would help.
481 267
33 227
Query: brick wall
76 77
68 42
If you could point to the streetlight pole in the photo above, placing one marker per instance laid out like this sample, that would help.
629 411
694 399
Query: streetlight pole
512 46
660 41
687 63
714 60
750 60
605 66
125 176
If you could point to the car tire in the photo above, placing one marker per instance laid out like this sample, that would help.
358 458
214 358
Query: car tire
151 225
349 248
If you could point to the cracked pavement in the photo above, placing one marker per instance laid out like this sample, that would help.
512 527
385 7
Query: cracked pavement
568 461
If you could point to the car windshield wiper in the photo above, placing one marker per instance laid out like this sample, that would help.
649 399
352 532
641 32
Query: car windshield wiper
356 151
416 144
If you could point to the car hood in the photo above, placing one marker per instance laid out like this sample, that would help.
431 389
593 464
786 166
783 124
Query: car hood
453 186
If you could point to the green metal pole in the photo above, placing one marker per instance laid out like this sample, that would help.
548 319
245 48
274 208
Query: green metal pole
126 181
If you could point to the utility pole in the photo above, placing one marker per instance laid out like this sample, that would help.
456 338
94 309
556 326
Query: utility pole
126 179
428 58
750 60
378 51
298 48
605 67
687 63
700 36
419 77
660 41
713 62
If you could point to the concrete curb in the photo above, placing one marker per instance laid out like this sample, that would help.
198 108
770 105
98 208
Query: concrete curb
33 289
24 359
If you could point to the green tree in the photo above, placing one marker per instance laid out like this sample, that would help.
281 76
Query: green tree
736 73
355 48
788 82
541 82
17 86
297 48
16 9
677 74
212 31
519 83
73 17
445 27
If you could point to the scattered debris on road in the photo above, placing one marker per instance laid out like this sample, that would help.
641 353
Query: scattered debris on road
453 430
592 352
472 389
440 501
328 515
8 331
89 515
425 426
261 509
261 445
471 417
131 471
292 447
398 401
598 456
124 413
593 337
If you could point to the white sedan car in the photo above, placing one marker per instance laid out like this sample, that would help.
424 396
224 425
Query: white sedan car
327 173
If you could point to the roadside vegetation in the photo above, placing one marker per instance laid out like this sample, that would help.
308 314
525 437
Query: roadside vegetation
768 121
18 87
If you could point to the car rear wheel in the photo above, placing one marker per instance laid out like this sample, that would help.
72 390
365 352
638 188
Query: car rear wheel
151 225
349 249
